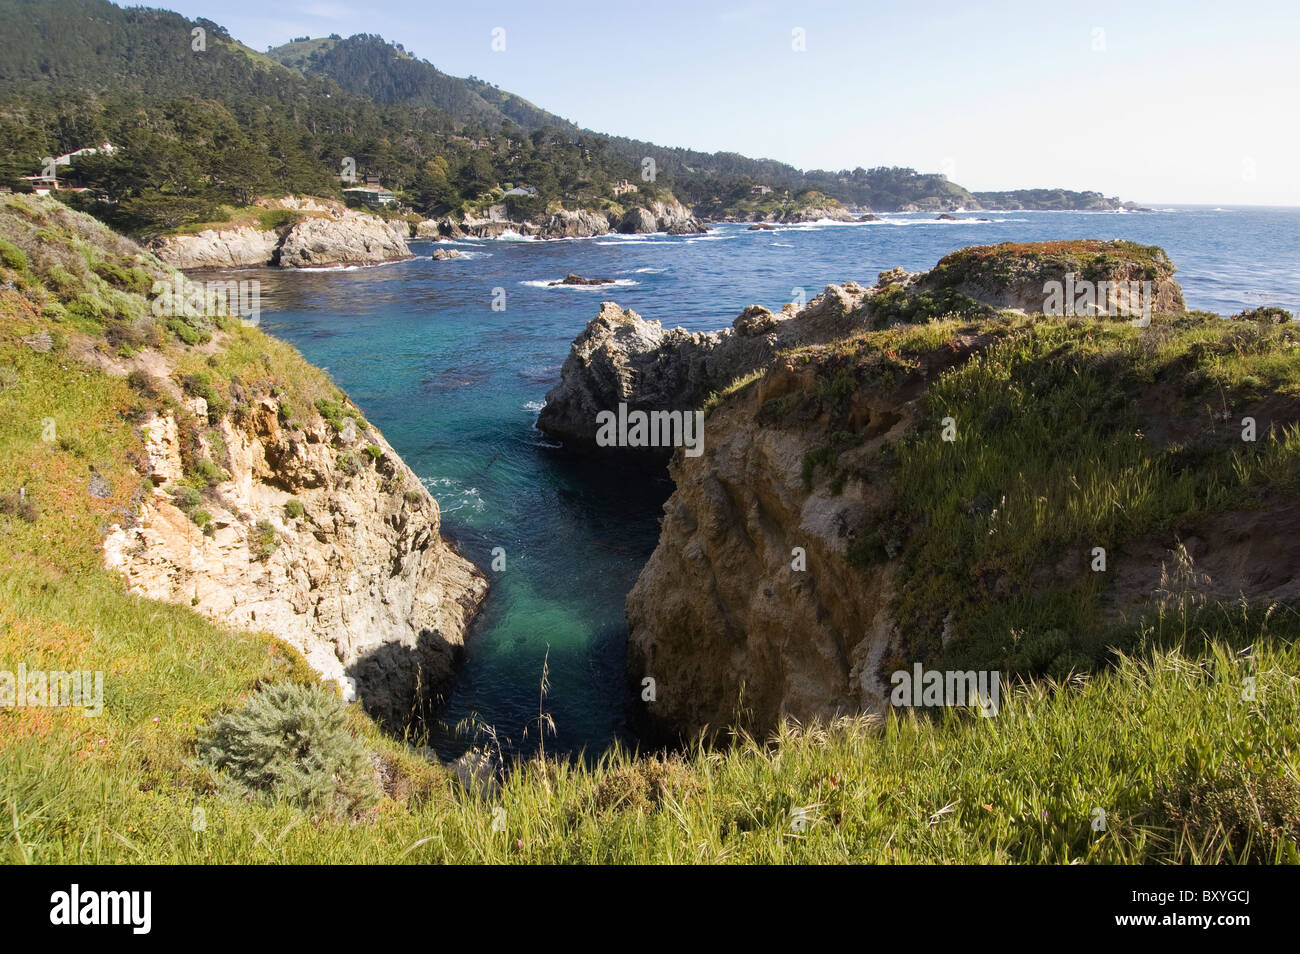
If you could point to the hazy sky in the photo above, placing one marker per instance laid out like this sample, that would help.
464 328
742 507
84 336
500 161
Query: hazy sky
1155 102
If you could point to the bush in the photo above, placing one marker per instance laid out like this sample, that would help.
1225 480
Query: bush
349 464
262 542
208 473
294 509
375 452
291 743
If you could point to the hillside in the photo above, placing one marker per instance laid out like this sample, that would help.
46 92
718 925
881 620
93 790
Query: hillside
204 128
150 428
384 73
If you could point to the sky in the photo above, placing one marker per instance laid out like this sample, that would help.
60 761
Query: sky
1155 102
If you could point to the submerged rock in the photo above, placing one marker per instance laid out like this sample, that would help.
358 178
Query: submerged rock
572 279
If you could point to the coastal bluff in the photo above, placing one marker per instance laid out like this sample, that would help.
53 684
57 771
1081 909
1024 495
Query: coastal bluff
315 233
241 483
621 357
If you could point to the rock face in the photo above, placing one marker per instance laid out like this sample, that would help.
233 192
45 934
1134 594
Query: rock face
622 358
362 583
327 233
244 247
660 216
579 224
349 238
833 213
720 619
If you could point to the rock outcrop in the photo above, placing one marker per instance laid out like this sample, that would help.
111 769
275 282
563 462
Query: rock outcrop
323 233
242 247
354 574
661 216
579 224
346 238
621 357
777 588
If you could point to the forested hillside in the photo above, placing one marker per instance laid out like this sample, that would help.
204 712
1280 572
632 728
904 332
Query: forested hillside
202 124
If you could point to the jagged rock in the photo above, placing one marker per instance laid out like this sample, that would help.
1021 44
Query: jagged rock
353 238
363 584
761 227
754 320
622 358
219 248
579 224
833 213
443 254
661 216
572 279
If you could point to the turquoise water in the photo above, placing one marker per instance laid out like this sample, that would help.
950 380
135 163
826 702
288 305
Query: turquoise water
456 386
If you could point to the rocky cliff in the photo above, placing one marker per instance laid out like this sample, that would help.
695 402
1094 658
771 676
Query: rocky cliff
495 220
320 232
266 500
621 357
996 491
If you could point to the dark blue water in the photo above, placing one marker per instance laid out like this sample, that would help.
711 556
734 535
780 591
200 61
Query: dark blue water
456 386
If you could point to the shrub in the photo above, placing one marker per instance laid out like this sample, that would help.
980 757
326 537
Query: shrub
262 542
349 464
294 509
375 452
208 473
185 498
12 256
291 743
1254 815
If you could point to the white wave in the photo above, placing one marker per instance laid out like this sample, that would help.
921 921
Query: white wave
510 235
451 497
554 283
650 271
781 245
350 268
534 406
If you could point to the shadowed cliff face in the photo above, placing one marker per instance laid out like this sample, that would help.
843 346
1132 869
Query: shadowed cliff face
360 581
1006 493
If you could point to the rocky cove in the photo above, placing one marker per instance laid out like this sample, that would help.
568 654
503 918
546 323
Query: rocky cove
700 616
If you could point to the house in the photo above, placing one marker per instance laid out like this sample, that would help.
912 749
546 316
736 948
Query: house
522 191
373 196
43 184
761 190
622 186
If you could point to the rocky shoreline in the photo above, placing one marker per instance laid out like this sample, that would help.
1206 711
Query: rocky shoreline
323 233
622 358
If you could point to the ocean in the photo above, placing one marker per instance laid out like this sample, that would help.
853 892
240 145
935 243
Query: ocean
456 385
